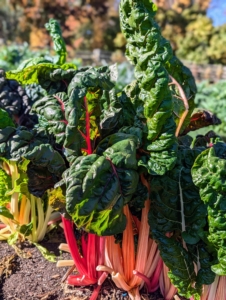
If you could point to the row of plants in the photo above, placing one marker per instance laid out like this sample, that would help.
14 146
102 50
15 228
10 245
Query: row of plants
95 24
139 199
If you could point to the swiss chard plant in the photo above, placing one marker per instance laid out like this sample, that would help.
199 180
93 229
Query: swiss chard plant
126 166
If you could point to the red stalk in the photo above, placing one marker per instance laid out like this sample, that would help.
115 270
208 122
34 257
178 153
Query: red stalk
79 280
91 254
62 107
95 293
71 241
84 247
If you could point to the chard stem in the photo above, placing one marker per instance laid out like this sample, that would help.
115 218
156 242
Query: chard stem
33 218
40 216
15 196
45 223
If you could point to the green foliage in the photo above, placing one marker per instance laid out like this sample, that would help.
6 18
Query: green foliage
5 119
209 175
11 56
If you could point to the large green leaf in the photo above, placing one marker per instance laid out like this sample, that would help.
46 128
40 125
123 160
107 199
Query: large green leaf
209 174
45 162
5 119
75 117
178 209
58 42
99 186
151 95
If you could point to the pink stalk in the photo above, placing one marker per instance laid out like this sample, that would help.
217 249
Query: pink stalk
144 278
154 280
54 220
2 225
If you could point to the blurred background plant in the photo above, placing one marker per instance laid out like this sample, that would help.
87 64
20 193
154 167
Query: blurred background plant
195 28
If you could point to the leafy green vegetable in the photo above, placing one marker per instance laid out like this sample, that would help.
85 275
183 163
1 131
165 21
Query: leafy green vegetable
178 209
99 186
5 119
154 101
58 43
209 175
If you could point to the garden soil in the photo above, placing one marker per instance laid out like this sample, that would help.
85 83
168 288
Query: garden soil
26 275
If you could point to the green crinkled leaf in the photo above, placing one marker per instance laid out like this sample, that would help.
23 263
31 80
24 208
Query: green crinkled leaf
180 263
177 208
111 113
150 94
97 188
38 73
58 42
34 146
209 174
74 117
203 259
176 202
52 109
5 119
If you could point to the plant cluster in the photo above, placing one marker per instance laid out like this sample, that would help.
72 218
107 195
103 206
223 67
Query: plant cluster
140 199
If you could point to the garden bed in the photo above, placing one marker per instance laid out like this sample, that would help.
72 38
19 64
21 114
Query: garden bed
26 274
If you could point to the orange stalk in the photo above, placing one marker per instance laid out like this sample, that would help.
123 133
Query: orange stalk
22 209
142 248
128 251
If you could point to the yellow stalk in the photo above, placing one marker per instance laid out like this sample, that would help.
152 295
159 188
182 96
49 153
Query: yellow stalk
40 219
64 247
27 212
65 263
